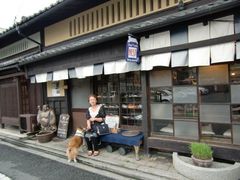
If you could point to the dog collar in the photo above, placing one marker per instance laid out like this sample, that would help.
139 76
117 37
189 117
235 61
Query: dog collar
79 133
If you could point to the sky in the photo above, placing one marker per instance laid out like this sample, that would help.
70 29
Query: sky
9 9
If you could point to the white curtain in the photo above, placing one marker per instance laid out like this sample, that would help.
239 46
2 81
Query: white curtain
40 78
222 52
179 59
120 66
148 62
110 67
123 66
60 75
198 32
158 40
238 50
88 70
84 71
199 56
222 27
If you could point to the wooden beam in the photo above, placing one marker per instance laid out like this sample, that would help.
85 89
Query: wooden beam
145 109
12 75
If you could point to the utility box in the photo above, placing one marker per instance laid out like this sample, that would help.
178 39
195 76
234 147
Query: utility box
28 122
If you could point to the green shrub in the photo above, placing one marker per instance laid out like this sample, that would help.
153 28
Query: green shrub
201 151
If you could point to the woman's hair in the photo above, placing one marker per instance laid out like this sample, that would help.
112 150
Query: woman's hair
92 95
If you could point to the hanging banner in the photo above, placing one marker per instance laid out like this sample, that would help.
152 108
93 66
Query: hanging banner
132 50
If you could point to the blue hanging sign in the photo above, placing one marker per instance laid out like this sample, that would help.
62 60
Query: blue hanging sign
132 50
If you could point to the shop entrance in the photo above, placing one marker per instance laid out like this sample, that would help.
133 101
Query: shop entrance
121 96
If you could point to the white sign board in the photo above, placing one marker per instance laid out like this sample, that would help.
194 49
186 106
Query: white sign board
112 121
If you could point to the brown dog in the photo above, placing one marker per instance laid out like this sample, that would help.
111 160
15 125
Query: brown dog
74 144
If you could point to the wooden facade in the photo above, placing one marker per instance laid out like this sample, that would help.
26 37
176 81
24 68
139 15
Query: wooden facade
104 16
17 97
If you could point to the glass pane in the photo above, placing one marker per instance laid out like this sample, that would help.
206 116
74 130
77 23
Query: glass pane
214 132
185 94
235 93
214 94
161 95
236 113
215 113
235 73
164 127
161 111
160 78
130 99
187 129
185 111
217 74
184 76
236 134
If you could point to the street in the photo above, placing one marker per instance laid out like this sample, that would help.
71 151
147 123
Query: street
21 165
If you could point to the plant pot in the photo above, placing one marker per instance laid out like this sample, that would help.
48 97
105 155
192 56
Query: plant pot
201 162
45 136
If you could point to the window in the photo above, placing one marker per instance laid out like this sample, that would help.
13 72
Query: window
161 102
185 76
186 100
235 97
185 94
235 73
214 94
236 113
185 111
161 95
210 75
216 132
188 130
214 98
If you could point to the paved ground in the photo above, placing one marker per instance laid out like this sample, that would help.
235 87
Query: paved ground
21 165
158 166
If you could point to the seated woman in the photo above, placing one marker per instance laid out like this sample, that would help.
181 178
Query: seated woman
95 115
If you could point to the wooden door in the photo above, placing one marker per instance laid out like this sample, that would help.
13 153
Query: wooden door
9 103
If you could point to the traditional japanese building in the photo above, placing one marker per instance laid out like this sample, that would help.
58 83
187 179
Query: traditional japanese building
185 88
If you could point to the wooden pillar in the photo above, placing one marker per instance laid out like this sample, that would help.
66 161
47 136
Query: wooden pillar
145 104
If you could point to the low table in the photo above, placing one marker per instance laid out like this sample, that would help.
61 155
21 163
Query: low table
133 141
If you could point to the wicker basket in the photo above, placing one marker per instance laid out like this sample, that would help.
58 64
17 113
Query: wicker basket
45 136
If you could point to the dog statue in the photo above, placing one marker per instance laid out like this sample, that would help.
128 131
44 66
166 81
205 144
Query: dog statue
74 144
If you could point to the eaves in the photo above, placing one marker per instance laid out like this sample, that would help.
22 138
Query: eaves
193 10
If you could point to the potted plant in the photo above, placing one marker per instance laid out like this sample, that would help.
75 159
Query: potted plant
201 154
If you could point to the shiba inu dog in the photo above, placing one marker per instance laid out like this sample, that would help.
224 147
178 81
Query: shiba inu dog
74 144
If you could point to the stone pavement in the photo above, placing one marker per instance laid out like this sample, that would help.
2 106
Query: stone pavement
158 166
